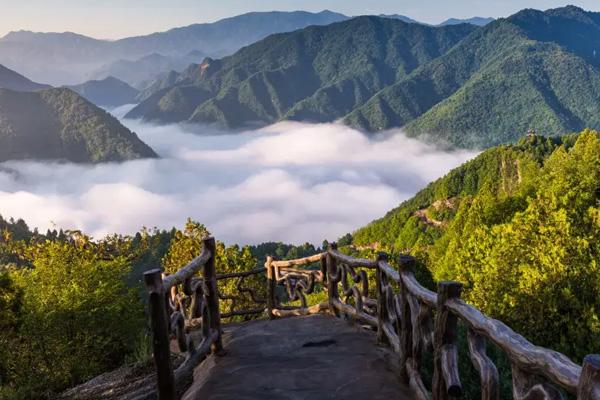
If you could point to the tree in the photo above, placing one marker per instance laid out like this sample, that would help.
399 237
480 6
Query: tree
78 318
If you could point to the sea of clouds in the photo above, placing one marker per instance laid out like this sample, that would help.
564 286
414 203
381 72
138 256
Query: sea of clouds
290 182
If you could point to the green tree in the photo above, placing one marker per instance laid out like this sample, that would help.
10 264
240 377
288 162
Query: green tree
78 318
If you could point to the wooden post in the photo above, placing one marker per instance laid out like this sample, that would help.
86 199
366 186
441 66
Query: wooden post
446 380
406 264
488 373
271 285
212 294
589 382
381 279
332 283
160 334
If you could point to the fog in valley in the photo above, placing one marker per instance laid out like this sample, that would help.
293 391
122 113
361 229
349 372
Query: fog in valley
291 182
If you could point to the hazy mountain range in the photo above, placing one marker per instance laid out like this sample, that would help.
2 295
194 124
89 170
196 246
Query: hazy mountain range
70 58
12 80
108 92
143 71
458 84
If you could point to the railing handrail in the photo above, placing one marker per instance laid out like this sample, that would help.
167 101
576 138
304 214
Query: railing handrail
404 320
205 303
555 366
188 271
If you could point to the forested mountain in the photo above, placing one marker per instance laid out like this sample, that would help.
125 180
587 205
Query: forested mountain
12 80
533 70
68 58
316 74
108 92
518 225
457 85
58 124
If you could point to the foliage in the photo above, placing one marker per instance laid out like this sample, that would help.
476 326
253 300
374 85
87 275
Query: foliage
187 244
523 237
281 251
76 316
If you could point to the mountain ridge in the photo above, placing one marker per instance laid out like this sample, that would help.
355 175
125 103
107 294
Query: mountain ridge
107 92
290 75
58 124
12 80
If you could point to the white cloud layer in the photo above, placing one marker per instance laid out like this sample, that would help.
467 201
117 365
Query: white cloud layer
288 182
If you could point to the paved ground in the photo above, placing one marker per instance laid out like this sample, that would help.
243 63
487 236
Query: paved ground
316 357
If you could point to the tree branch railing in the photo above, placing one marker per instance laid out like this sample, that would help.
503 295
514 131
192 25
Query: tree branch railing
168 315
409 318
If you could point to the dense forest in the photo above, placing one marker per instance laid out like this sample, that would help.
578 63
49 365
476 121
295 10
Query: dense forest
519 226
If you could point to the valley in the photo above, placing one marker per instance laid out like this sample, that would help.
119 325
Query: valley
442 169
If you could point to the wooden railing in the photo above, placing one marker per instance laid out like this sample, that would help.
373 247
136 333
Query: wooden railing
409 318
169 314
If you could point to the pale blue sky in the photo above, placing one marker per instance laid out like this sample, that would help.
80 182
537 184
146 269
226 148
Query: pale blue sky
120 18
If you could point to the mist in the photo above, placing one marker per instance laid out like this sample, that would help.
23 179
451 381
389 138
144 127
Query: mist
290 182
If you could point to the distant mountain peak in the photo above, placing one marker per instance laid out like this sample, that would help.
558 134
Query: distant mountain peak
108 92
479 21
12 80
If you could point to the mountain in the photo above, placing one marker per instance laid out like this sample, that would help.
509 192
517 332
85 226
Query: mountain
109 92
518 225
479 21
161 82
458 85
146 69
12 80
535 70
58 124
68 58
319 73
399 17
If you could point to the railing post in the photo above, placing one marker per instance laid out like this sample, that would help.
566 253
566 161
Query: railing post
160 334
271 285
446 380
332 283
589 382
212 294
406 264
381 307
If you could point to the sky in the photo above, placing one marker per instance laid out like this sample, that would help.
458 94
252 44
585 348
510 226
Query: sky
112 19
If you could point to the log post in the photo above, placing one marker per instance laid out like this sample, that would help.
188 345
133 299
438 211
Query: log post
381 280
488 373
332 282
212 294
160 334
406 264
589 382
271 285
446 380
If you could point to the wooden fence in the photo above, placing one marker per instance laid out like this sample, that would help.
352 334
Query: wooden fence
408 317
